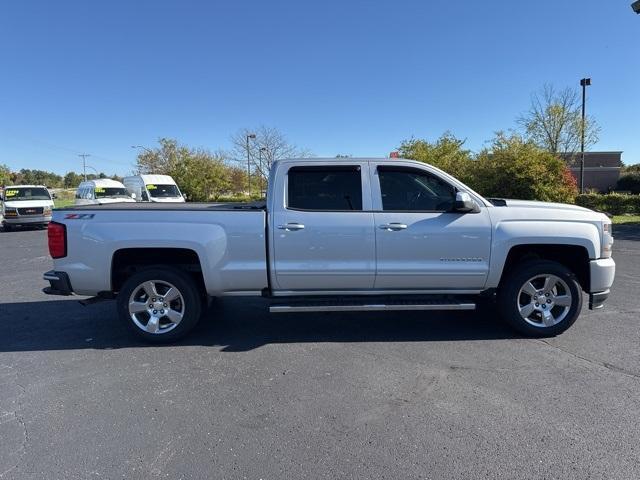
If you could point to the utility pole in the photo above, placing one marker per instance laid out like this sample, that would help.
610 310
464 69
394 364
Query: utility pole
84 164
583 83
249 135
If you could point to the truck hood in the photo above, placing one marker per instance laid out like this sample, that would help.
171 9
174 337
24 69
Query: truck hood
551 205
28 203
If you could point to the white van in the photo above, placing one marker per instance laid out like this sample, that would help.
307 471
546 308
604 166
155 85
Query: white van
26 205
100 191
153 188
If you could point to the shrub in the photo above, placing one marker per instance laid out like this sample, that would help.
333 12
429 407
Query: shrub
613 203
629 182
446 153
514 168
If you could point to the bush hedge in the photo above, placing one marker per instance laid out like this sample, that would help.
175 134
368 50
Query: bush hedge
629 181
613 203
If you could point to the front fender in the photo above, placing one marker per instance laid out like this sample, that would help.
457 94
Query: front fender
511 233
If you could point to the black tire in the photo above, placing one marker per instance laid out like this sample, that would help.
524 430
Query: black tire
189 304
511 298
6 227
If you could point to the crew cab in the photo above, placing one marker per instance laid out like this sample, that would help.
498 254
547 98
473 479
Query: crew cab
26 205
338 235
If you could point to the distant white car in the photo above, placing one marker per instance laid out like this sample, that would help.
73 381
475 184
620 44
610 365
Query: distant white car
153 188
101 191
26 205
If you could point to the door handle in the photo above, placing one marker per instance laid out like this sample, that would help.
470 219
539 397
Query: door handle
291 227
393 226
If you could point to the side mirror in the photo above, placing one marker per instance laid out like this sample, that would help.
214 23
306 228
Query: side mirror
465 204
54 196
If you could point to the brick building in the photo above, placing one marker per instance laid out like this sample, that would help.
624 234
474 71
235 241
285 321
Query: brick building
601 169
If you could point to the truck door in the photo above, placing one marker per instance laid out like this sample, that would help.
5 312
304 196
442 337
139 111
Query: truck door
323 234
421 242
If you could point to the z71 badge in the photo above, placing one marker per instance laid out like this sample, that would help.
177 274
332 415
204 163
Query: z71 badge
78 216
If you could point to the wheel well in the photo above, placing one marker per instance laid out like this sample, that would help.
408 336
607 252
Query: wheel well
127 261
574 257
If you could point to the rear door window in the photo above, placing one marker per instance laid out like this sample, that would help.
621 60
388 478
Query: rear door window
325 188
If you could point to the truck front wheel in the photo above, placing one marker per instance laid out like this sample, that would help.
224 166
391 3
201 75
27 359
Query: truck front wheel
160 305
540 298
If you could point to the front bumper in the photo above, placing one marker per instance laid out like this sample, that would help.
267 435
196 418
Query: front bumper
27 220
602 273
59 283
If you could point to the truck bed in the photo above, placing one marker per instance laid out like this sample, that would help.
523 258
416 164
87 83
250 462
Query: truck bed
229 240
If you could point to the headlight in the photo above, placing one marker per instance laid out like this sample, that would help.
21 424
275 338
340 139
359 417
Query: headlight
47 211
607 240
10 212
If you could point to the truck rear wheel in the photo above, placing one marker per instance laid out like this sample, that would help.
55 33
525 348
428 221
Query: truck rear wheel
540 298
160 304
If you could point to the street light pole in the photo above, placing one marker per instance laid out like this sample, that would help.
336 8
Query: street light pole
583 83
262 149
249 135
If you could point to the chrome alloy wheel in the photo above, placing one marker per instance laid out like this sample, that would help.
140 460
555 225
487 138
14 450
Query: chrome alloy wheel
156 306
544 300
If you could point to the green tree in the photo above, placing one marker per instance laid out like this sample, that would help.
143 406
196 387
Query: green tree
72 180
159 160
38 177
446 153
5 175
512 167
200 174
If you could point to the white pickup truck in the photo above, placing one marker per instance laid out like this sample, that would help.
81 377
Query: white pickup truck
338 235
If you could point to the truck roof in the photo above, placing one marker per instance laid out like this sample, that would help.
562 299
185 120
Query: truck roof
153 178
103 182
24 186
344 160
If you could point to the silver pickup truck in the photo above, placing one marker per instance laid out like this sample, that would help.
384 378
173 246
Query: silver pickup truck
338 235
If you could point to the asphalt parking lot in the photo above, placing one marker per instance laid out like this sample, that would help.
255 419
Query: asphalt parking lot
253 395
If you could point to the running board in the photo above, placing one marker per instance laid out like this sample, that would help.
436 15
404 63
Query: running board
370 307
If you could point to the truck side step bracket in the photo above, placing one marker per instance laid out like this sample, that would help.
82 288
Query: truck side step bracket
370 306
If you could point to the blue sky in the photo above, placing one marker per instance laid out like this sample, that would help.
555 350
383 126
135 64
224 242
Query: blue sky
348 77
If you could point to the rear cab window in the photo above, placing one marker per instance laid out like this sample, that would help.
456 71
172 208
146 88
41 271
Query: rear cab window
325 188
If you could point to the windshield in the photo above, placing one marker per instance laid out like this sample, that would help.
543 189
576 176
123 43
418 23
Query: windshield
163 191
36 193
102 192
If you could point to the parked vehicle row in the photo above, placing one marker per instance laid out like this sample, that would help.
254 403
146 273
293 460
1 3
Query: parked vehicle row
138 188
31 205
338 235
